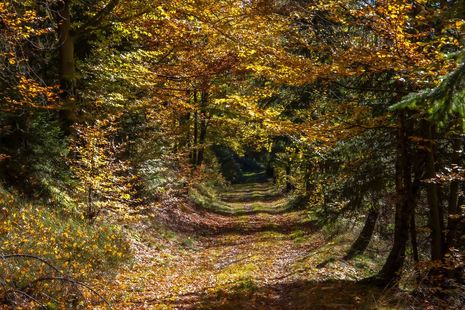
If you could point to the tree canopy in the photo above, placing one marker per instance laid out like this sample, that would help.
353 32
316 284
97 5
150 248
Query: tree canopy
312 119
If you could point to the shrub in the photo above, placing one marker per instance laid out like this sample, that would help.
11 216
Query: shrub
45 253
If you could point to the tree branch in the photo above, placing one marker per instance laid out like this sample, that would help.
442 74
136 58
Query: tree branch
97 18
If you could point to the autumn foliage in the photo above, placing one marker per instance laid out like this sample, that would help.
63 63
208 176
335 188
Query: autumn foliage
117 116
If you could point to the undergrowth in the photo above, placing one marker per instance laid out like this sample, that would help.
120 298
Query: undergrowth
47 254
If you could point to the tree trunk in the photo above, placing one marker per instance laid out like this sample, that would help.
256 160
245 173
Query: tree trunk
67 68
90 204
453 214
437 242
188 130
184 128
360 245
453 206
392 268
309 185
289 186
196 130
67 62
414 244
413 239
203 126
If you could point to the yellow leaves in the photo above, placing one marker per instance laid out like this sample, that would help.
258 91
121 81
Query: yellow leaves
104 179
19 25
76 249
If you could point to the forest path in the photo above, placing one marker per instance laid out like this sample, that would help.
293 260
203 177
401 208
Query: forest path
258 257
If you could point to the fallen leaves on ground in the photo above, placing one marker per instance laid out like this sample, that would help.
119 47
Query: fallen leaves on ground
190 258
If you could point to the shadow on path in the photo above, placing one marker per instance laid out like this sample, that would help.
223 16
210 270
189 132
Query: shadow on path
333 294
260 227
244 261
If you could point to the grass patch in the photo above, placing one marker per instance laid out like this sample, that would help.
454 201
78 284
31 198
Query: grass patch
207 198
273 235
241 275
237 281
299 236
238 201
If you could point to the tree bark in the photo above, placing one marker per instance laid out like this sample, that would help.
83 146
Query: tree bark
414 244
453 204
390 272
188 130
289 186
196 130
413 239
309 185
437 241
203 126
361 244
67 67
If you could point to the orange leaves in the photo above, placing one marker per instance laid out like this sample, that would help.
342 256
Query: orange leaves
388 35
28 93
17 27
24 89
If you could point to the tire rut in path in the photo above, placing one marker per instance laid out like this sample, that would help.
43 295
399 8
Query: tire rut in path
247 261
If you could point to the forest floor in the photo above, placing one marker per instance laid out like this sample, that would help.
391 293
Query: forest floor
260 256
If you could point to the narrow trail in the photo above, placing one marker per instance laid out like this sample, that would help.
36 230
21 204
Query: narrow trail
258 257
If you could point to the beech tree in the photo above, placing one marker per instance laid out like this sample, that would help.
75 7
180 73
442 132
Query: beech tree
351 111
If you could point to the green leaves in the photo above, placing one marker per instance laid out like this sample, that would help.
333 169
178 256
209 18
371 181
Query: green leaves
441 103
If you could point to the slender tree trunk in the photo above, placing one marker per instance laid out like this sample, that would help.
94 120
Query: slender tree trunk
309 186
392 268
203 126
418 171
442 219
67 67
437 242
289 186
460 229
196 130
453 206
454 240
364 238
90 204
453 214
188 130
414 244
413 239
186 126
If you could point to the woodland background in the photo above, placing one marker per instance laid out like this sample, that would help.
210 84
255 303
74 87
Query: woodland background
114 110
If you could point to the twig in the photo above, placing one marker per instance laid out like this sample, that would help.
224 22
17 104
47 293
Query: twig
72 281
49 278
29 256
15 291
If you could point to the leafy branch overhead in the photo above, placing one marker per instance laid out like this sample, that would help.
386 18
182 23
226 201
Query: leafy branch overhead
239 154
441 103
